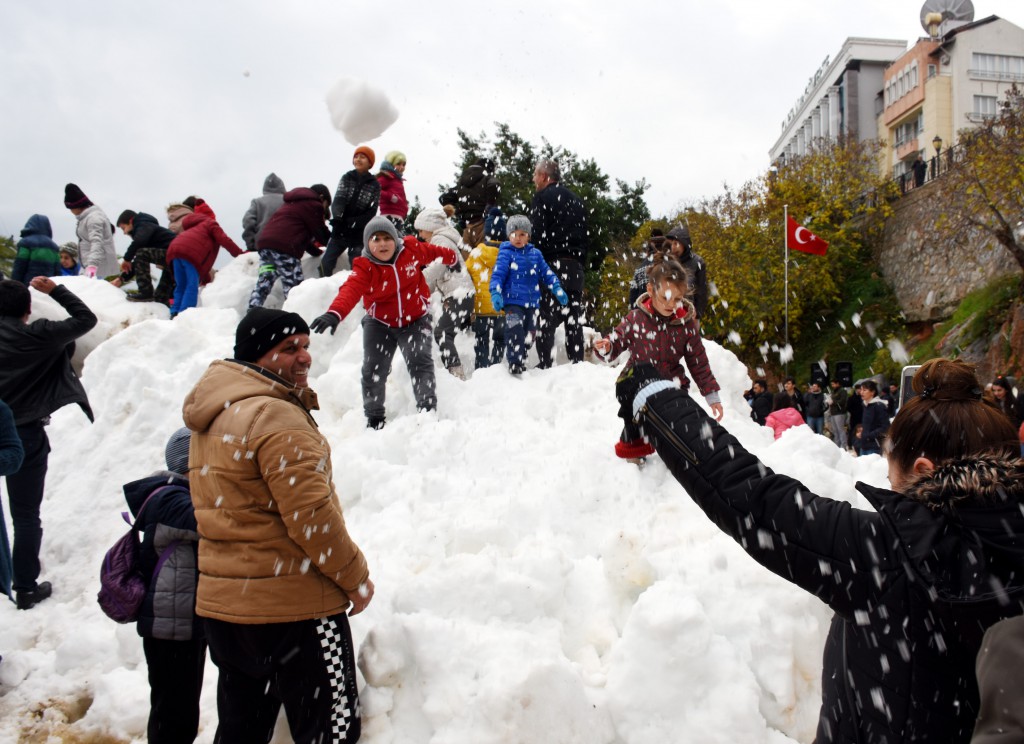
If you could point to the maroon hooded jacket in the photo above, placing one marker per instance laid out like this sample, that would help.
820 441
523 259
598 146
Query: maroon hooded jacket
295 225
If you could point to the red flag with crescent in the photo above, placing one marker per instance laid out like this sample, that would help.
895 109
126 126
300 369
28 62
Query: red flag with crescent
799 238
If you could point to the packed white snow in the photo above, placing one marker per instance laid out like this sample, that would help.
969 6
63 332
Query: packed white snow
530 586
359 111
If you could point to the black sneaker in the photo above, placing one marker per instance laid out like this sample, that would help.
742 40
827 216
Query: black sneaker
28 600
137 297
375 423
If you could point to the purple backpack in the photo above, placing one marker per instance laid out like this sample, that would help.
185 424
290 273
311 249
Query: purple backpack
122 585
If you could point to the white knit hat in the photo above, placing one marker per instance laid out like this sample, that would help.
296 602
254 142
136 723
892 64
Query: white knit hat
431 220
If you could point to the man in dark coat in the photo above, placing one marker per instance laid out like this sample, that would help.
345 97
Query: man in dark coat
560 233
36 379
760 401
474 194
681 245
355 203
150 241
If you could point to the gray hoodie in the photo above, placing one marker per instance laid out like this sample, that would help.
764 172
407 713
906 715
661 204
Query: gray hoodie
261 209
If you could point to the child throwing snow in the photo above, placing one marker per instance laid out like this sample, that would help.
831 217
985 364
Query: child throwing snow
660 330
388 276
515 288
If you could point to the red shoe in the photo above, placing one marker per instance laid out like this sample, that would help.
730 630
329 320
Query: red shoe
633 450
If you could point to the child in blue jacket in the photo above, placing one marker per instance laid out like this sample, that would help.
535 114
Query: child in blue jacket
515 287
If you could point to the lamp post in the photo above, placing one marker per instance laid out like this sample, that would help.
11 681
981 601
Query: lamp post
937 144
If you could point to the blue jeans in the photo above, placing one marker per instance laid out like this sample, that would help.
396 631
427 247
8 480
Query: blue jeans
490 339
817 423
519 325
186 286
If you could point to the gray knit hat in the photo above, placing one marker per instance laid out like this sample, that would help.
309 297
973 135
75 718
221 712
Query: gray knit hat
518 222
380 224
176 452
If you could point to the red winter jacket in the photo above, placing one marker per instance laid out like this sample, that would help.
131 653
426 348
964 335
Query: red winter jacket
198 243
664 342
295 224
394 293
393 201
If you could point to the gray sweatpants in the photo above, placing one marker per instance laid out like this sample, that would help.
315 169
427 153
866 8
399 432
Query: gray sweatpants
379 344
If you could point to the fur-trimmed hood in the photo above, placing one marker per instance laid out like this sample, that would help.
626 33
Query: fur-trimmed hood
962 528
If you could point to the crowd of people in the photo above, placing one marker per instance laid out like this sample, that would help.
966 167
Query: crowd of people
253 563
856 421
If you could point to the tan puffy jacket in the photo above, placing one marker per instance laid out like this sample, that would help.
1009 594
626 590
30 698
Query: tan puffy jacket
273 546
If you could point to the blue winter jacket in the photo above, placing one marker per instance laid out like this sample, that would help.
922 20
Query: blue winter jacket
518 273
37 254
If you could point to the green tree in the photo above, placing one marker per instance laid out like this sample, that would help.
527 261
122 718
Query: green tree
984 187
836 191
614 214
8 250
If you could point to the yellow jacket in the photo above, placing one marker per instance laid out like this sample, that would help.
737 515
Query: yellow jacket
480 264
273 546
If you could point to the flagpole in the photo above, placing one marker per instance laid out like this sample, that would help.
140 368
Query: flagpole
785 284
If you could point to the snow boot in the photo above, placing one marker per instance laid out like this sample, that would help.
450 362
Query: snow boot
375 423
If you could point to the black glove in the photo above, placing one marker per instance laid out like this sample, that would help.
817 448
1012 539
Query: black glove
324 322
632 380
456 267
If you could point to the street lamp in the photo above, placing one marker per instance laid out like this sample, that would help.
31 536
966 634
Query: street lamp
937 144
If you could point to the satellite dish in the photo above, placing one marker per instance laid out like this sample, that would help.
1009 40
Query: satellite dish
950 10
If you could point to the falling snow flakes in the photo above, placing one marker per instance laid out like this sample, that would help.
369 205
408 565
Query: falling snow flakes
734 338
304 567
764 540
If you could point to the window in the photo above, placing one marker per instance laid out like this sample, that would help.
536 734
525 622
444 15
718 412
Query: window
997 66
932 71
985 106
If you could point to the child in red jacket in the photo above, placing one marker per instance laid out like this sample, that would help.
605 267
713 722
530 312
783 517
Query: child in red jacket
661 330
388 276
192 254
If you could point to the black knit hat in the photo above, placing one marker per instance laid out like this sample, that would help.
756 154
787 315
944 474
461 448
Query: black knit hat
262 329
74 198
322 191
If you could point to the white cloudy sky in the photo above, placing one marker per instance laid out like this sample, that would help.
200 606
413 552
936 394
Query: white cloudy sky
144 103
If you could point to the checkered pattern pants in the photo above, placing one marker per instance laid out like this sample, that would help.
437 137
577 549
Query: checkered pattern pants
272 266
307 666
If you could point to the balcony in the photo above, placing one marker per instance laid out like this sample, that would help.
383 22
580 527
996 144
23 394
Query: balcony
1009 77
904 148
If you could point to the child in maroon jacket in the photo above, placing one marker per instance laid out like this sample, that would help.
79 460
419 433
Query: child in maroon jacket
661 330
192 254
388 277
296 227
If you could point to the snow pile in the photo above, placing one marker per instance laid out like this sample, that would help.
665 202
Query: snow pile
359 111
530 586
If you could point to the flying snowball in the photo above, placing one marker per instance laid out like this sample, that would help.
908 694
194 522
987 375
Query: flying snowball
360 112
245 73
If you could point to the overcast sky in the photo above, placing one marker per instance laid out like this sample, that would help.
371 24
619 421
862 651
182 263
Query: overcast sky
142 104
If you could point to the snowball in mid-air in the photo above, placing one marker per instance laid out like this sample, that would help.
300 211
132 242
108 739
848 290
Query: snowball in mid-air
359 111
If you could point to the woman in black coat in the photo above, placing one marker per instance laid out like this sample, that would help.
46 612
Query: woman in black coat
913 584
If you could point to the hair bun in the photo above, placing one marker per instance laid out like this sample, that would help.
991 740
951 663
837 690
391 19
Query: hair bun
947 380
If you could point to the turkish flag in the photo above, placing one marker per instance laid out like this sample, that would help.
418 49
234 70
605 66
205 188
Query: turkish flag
799 238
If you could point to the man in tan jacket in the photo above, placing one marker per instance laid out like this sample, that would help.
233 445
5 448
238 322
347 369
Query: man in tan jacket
277 567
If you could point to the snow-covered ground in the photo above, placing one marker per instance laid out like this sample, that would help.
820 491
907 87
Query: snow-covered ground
530 586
